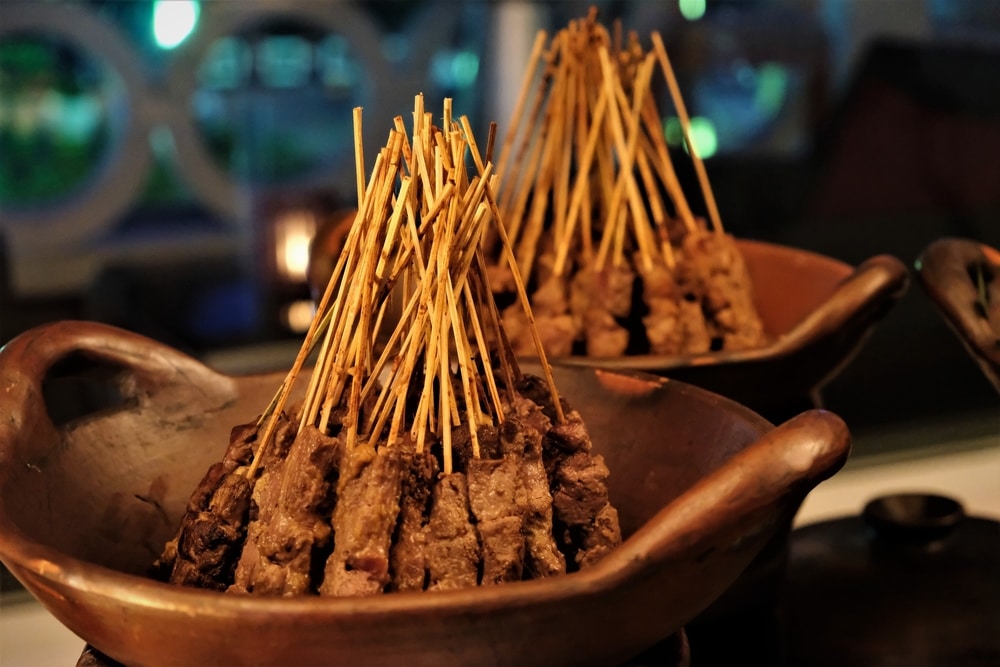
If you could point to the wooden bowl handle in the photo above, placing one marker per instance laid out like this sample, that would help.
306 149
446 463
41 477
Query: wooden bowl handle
155 370
946 270
863 297
778 470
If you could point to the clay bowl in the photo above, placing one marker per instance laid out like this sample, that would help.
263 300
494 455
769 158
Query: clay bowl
962 278
817 311
89 495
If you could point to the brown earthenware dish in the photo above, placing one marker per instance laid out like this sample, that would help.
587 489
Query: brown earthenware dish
962 278
88 497
817 312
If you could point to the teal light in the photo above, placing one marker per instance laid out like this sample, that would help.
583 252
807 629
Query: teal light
174 21
692 10
464 68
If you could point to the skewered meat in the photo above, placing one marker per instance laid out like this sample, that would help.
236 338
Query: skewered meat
557 334
290 527
408 566
408 557
596 297
664 327
614 289
557 328
521 438
364 521
209 541
354 505
453 552
609 288
579 488
550 297
201 553
599 537
518 331
605 337
498 505
725 284
696 336
674 322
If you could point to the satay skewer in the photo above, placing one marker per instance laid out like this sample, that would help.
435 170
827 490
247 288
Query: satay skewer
522 95
522 296
699 165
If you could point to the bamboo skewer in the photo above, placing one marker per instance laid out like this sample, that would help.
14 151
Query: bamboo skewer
515 122
422 220
675 94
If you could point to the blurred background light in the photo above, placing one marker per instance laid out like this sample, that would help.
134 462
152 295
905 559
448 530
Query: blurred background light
692 10
174 21
703 134
294 231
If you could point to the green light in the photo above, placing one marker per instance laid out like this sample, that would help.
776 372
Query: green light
672 131
703 135
174 21
692 10
772 88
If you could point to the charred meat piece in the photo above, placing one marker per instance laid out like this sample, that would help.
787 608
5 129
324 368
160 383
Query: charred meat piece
569 436
290 528
209 543
408 557
238 453
364 521
453 551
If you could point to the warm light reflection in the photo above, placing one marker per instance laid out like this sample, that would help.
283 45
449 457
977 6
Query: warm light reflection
293 233
298 315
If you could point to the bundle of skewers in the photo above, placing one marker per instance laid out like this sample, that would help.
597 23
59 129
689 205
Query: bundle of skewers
615 261
428 463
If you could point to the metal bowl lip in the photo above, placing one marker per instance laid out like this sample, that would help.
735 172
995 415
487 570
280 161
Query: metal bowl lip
61 571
